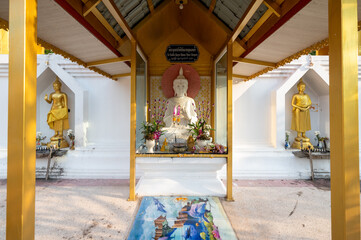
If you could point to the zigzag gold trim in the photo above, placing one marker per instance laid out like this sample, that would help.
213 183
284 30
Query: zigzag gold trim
314 47
5 25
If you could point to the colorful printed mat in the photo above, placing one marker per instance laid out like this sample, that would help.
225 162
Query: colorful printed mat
193 218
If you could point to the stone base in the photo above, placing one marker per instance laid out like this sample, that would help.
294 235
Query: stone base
180 177
297 145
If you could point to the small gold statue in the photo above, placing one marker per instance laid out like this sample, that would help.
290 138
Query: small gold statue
164 145
301 121
190 143
58 115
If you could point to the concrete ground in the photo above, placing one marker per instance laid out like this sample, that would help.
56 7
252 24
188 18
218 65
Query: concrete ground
98 209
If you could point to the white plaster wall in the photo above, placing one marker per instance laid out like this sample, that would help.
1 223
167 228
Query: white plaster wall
3 112
107 118
252 112
254 157
108 111
324 110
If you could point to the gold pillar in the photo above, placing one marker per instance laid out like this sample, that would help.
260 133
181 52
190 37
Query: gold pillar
20 215
213 97
345 184
133 118
229 119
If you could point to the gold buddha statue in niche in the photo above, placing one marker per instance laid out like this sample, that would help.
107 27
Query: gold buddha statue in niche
58 115
301 121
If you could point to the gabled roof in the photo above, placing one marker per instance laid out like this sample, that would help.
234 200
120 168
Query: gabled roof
266 32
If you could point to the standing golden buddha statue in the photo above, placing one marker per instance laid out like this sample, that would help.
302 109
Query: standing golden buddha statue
301 121
58 115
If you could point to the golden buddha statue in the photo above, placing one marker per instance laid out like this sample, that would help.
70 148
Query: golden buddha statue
58 115
301 121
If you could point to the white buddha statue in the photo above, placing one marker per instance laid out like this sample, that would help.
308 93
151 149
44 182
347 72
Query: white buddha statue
180 111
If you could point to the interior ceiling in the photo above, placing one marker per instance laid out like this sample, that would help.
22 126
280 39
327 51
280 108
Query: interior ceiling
88 31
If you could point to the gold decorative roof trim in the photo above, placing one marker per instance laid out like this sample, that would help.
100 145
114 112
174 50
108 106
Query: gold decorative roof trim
5 25
314 47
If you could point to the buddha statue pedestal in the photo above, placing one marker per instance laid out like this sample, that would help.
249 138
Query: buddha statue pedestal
63 142
305 143
175 135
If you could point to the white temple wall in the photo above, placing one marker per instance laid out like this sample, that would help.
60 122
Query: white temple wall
106 114
3 112
324 109
252 112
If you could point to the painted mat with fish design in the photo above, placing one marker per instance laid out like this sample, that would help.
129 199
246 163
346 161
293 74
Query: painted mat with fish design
181 218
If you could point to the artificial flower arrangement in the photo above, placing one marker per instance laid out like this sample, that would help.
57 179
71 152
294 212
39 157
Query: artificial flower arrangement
152 130
287 141
158 110
204 110
71 136
320 139
39 138
217 148
200 130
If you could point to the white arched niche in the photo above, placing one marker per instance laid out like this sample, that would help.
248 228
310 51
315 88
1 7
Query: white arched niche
47 73
317 87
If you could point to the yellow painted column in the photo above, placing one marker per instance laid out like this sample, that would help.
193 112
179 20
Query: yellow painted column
213 97
20 215
345 184
229 120
133 118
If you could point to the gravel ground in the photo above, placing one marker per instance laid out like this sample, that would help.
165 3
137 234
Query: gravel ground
98 209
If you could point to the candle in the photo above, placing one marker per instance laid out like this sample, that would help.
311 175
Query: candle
175 111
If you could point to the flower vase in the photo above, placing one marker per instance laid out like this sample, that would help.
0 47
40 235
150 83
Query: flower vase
201 144
150 145
287 145
72 145
319 145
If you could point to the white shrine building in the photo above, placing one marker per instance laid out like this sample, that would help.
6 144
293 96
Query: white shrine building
262 106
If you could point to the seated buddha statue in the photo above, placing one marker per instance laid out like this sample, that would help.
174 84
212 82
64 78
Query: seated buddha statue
180 108
180 111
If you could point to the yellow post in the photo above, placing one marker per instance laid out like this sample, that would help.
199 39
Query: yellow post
213 97
133 118
20 215
229 120
345 184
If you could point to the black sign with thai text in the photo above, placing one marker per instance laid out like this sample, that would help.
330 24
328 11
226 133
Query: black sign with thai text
182 53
